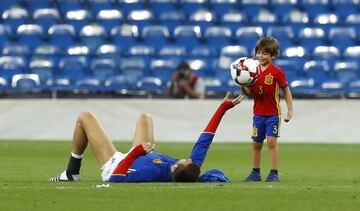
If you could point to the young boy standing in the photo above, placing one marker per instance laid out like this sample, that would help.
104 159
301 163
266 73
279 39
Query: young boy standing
267 111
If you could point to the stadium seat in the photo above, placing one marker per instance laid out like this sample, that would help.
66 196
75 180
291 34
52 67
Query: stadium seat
326 21
161 6
68 5
30 35
14 17
201 67
220 7
96 6
60 84
155 36
292 68
11 65
78 18
44 68
297 53
127 6
5 33
75 63
163 68
248 36
26 82
303 87
253 7
318 70
8 4
329 53
353 89
125 36
191 6
109 51
352 53
346 70
233 19
284 34
203 51
103 68
353 20
4 84
315 7
119 83
86 84
172 19
172 50
62 35
343 8
134 68
264 18
311 37
32 6
333 88
141 51
187 36
15 49
151 85
141 18
234 52
92 36
296 19
46 18
50 52
202 18
342 37
217 37
109 19
281 7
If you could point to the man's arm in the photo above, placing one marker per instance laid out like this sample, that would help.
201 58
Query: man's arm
202 145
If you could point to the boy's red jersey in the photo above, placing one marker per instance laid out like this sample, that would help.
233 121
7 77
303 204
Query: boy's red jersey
266 91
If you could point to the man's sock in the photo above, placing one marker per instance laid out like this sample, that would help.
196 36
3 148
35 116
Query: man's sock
73 166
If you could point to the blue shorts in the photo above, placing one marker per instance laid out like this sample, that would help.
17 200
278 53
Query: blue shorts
264 126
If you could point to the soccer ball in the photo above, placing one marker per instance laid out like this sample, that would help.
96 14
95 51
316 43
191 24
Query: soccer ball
245 71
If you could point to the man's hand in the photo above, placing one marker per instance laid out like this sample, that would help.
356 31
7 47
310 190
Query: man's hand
234 101
148 147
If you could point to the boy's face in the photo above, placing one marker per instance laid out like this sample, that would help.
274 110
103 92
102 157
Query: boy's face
264 57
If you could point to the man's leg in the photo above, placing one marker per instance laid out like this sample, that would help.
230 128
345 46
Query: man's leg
87 130
144 132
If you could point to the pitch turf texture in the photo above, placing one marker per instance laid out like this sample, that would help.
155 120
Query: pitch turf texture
313 177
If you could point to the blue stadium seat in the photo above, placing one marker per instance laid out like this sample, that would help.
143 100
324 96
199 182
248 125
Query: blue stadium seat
68 5
78 18
332 87
281 7
125 36
342 37
172 51
304 86
329 53
30 35
188 36
39 4
62 35
201 67
156 36
14 17
163 68
75 63
15 49
11 65
172 19
292 68
88 84
326 21
264 19
343 8
46 18
234 19
44 68
103 68
60 84
352 53
234 52
141 18
284 34
296 19
253 7
248 36
353 20
353 89
5 33
49 52
151 85
109 19
142 51
96 6
217 37
203 18
127 6
191 6
8 4
297 53
315 7
92 36
346 70
220 7
311 37
4 84
134 68
318 70
119 83
161 6
203 51
26 82
109 51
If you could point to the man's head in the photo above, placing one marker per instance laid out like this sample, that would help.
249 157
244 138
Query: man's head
184 71
185 170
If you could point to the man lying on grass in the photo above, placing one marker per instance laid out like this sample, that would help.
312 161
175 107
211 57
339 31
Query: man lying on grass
140 163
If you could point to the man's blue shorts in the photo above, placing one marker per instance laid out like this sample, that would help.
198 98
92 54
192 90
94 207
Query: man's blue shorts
264 126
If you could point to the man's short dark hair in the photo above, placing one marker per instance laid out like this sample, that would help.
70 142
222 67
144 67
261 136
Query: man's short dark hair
186 173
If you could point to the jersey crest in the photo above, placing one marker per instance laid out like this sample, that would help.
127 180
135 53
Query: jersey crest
254 132
157 160
269 79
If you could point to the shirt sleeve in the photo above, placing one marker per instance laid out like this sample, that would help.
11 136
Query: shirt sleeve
201 148
282 79
149 174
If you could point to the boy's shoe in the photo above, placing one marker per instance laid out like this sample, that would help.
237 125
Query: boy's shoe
272 177
253 177
64 177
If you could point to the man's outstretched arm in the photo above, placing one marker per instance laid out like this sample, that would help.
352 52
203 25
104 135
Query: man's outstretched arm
202 145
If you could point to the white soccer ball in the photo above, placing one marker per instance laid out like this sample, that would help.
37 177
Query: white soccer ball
245 71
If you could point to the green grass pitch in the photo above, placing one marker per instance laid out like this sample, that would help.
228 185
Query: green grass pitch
313 177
